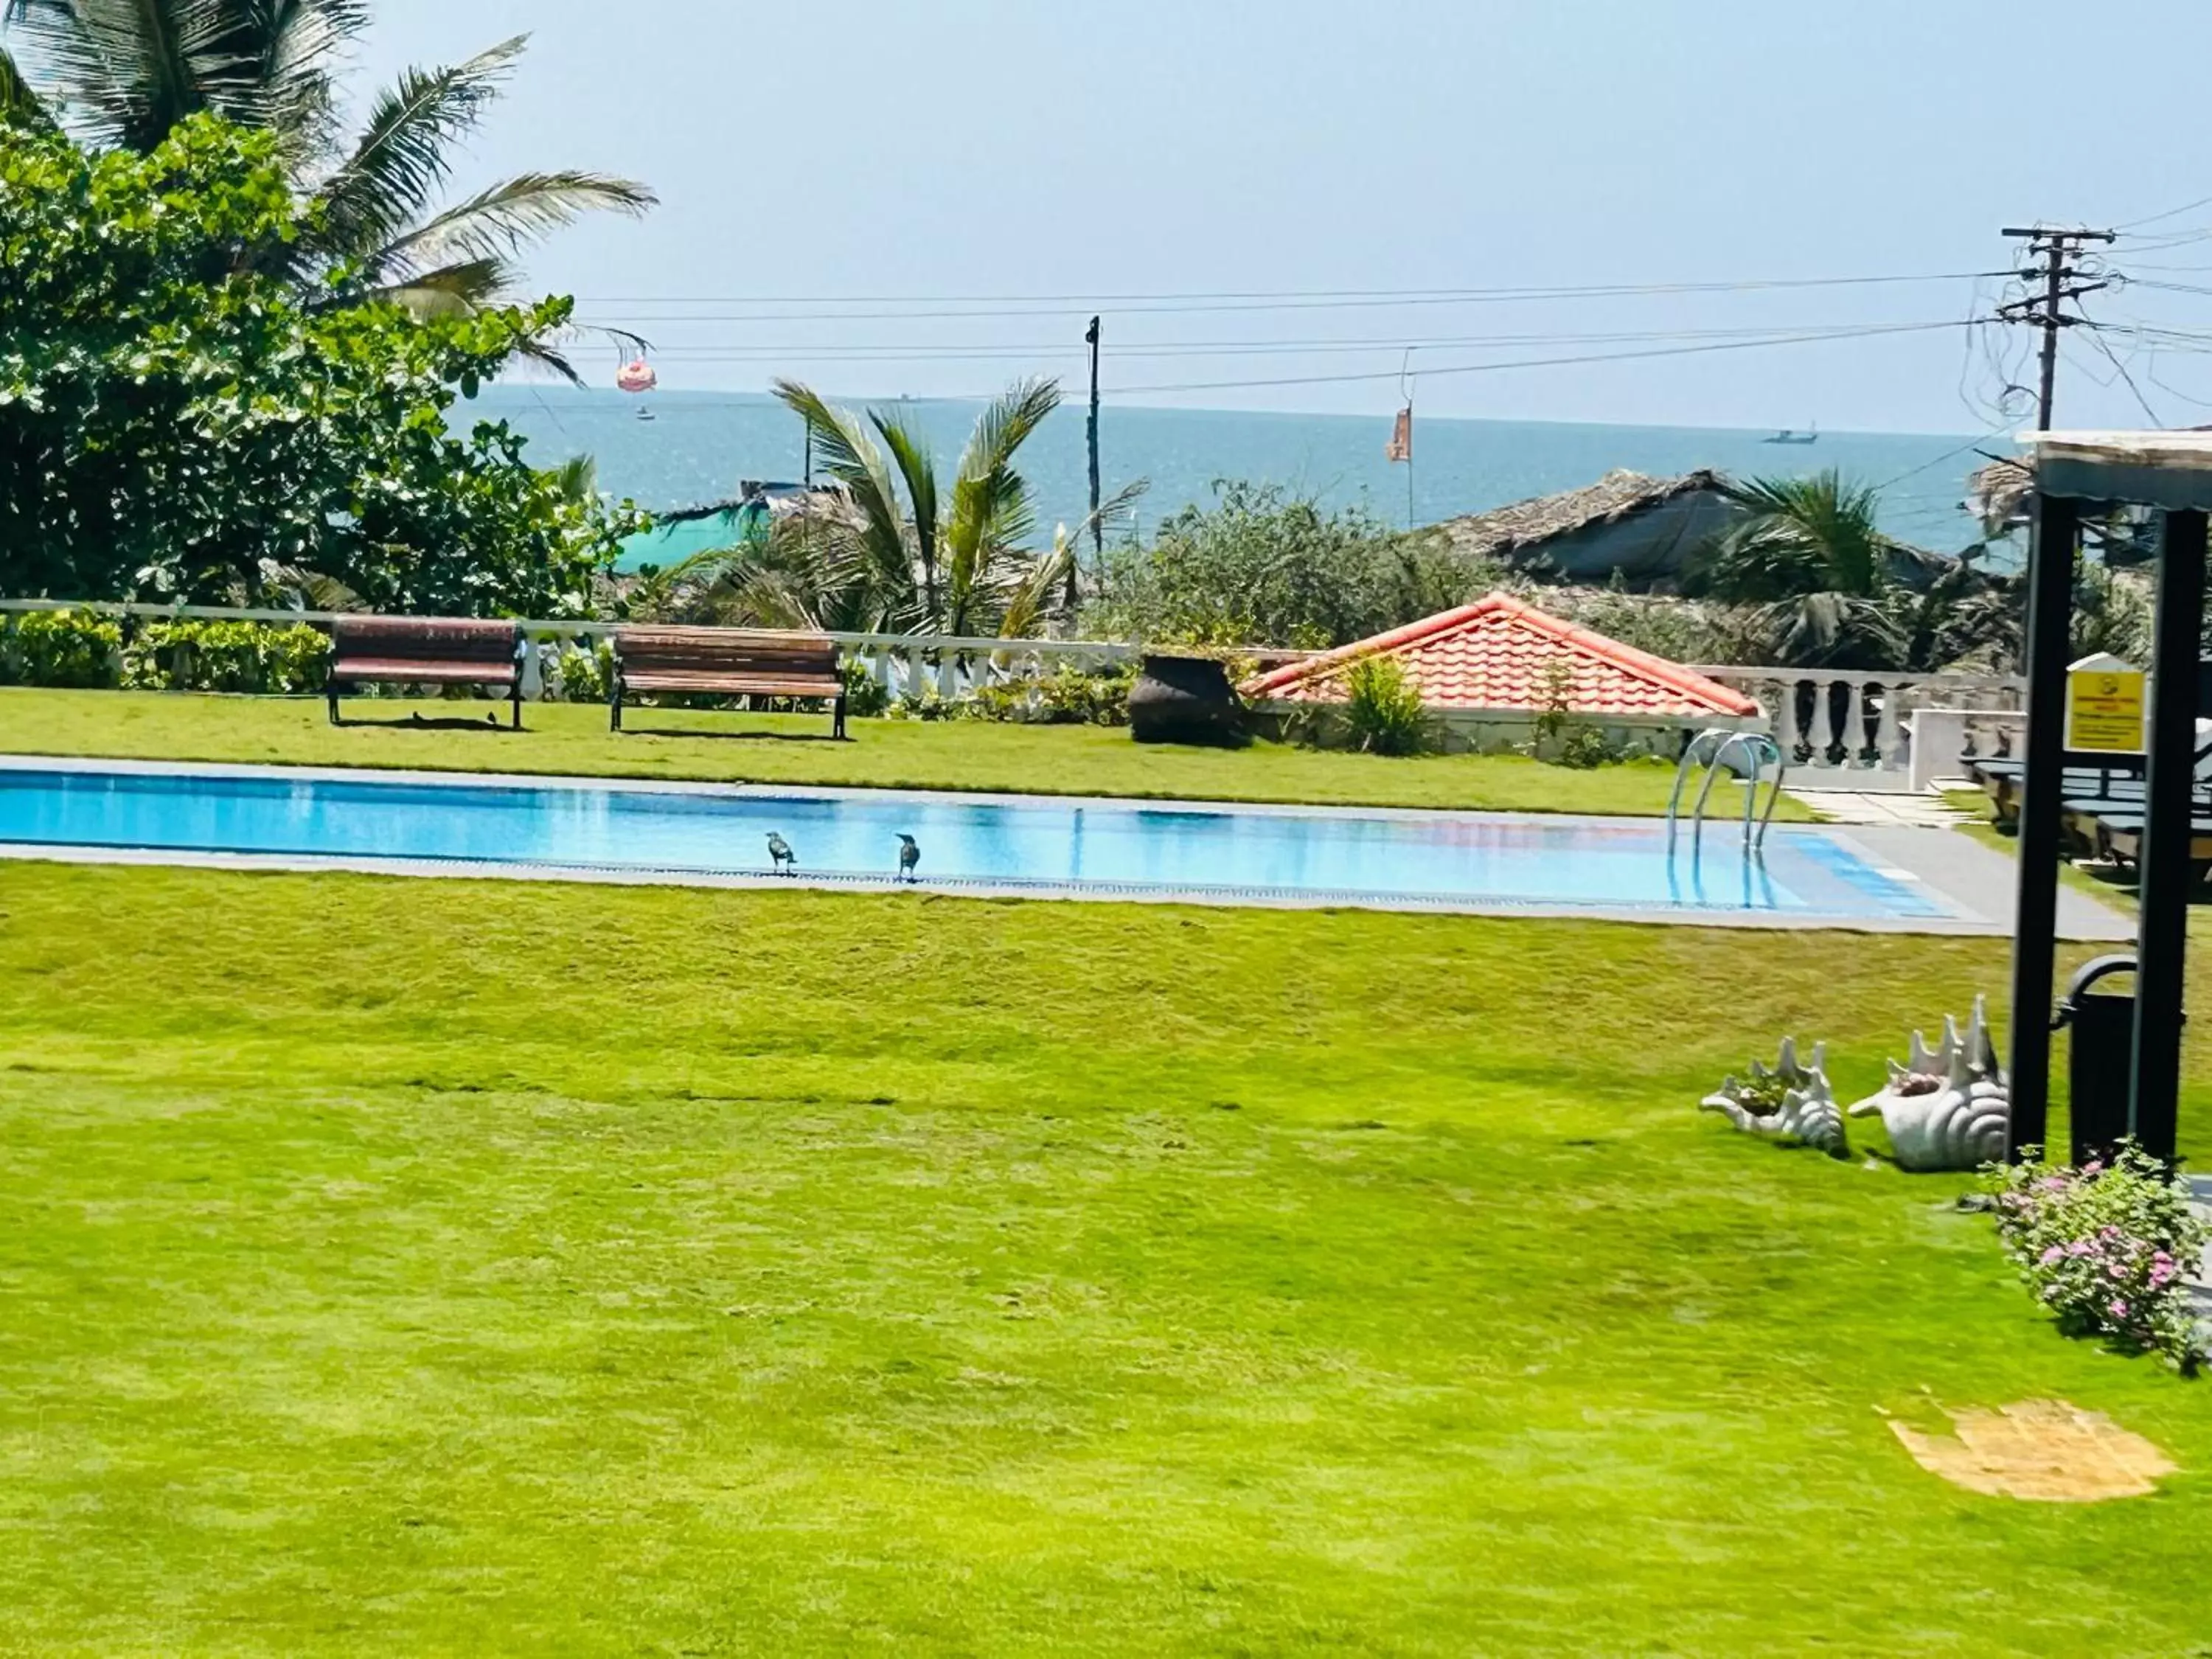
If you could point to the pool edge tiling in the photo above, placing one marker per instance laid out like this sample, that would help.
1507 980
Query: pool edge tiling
998 846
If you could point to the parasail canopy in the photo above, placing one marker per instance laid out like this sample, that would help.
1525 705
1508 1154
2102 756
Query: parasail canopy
637 376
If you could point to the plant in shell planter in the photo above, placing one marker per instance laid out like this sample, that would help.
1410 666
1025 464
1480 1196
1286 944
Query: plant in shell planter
1947 1108
1792 1102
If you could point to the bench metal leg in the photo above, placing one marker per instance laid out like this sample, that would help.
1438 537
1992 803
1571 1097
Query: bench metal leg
838 730
614 705
514 703
331 692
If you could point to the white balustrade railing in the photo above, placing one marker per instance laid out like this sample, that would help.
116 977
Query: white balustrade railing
1853 728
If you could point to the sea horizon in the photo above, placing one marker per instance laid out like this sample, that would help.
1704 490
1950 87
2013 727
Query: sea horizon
699 446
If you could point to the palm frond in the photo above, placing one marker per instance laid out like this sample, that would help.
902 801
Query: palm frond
20 105
402 158
128 71
461 289
991 512
295 53
849 455
502 220
1030 594
910 453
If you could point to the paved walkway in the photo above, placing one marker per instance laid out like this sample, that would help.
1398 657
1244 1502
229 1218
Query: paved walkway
1865 807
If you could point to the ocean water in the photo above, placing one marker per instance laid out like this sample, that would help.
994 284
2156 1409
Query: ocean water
1460 858
699 445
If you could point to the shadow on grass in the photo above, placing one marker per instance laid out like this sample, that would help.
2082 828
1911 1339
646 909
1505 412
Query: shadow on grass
416 723
727 736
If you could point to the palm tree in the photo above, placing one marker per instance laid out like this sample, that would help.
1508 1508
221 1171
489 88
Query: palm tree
119 74
1810 554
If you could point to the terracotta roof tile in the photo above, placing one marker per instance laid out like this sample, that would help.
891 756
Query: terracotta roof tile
1500 653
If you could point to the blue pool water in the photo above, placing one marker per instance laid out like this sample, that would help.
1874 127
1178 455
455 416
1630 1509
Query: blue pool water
1470 858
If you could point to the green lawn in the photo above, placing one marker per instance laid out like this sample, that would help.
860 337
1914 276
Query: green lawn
457 1267
573 738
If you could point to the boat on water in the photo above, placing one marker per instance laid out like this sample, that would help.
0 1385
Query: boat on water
1787 435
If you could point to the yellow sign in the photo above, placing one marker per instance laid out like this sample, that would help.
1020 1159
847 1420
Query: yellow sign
2105 710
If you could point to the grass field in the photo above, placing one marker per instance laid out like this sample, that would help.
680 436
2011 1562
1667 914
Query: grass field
573 738
459 1266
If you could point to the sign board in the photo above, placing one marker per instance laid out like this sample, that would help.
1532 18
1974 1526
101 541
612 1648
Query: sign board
2104 705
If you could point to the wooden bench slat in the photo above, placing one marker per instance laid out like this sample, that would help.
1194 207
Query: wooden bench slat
422 669
730 662
758 685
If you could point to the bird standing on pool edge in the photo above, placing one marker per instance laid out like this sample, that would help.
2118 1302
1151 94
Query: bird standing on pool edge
780 855
910 855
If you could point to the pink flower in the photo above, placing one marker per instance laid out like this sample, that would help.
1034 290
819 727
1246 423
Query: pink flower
2161 1274
2095 1166
2119 1310
2053 1255
2117 1270
2078 1247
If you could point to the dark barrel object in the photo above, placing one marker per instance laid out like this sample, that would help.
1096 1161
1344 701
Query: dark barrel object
1184 700
2098 1068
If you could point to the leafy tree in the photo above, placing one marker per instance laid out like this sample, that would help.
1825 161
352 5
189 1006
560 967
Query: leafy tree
1261 567
177 422
123 74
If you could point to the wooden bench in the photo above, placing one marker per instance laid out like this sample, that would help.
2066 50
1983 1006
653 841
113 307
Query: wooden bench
425 651
726 662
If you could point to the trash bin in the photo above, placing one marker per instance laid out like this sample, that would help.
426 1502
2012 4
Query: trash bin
2101 1065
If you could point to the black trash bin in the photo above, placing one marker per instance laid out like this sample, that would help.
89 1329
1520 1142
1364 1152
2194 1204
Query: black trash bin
2099 1067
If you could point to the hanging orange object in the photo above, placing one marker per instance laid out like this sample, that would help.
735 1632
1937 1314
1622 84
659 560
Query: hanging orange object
636 376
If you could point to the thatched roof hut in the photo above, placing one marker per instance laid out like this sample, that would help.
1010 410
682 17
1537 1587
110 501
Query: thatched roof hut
1642 528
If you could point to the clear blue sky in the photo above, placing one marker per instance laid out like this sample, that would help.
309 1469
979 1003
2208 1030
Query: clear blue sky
921 149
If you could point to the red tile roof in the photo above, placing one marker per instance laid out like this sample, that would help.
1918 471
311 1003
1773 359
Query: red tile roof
1498 652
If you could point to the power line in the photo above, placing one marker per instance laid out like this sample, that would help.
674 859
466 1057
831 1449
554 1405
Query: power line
1551 362
888 351
1573 290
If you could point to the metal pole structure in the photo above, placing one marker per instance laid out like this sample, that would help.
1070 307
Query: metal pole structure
1091 337
2054 273
2035 925
2057 248
1097 530
2162 925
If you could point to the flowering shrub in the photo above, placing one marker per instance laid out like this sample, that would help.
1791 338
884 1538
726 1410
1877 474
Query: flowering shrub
2106 1248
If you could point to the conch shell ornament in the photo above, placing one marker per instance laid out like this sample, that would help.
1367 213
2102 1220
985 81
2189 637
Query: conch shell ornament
1793 1102
1946 1107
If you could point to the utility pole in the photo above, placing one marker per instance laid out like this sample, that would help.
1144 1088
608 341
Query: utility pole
2060 251
1091 337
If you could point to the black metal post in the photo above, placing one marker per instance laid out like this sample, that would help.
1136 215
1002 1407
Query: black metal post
1097 530
2035 916
2162 952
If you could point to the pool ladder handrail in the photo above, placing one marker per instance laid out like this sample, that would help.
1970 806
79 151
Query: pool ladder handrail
1710 748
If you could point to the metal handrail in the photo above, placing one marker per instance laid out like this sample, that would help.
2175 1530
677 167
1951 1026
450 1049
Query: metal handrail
1710 748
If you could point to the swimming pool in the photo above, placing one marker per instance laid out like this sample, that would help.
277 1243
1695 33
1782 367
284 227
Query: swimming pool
1258 854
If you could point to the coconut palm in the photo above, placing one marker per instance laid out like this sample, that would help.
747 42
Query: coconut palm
1810 554
121 73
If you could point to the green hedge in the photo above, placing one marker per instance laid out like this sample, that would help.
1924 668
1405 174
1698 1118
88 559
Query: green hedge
80 650
73 650
225 656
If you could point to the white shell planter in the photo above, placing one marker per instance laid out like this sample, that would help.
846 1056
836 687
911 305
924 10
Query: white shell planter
1791 1102
1947 1108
